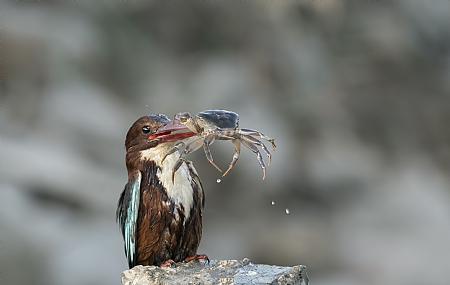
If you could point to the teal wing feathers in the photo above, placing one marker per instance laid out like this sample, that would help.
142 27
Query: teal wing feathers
127 215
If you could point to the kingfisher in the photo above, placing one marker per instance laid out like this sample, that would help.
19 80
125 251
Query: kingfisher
160 218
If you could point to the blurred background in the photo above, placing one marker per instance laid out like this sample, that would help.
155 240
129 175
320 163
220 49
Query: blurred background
357 95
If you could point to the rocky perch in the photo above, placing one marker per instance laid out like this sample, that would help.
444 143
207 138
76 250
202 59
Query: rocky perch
216 272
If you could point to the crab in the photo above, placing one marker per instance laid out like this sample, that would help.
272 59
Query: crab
211 125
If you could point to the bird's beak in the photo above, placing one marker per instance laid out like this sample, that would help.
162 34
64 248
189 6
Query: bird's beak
173 131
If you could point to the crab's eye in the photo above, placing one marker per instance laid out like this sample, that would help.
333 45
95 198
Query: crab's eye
145 129
184 118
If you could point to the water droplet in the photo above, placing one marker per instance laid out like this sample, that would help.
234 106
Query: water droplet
273 202
218 180
287 211
146 105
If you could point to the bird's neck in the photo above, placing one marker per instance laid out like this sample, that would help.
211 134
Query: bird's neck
180 190
157 153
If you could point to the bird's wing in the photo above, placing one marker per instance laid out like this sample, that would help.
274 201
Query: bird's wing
127 215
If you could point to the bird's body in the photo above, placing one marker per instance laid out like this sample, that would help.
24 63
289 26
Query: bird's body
160 220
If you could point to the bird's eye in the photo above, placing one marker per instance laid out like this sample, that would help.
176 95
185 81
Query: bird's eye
145 129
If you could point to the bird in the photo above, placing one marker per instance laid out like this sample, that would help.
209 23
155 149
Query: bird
160 219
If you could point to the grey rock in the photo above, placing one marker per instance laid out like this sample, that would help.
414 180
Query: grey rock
216 272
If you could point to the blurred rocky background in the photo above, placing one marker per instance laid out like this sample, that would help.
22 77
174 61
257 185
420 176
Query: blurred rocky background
357 95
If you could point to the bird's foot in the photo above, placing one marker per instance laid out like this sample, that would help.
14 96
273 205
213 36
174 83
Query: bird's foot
168 263
197 257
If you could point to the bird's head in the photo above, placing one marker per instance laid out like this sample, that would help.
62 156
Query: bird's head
151 131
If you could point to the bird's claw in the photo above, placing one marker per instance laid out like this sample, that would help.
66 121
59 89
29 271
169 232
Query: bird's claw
167 263
197 257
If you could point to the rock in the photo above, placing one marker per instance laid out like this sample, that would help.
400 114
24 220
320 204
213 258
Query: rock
216 272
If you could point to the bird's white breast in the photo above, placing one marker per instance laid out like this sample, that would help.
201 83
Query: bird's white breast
180 191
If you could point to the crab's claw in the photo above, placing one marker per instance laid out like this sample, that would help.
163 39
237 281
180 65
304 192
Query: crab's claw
173 131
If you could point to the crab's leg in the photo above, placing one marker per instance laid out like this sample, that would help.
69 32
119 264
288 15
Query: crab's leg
209 139
237 150
174 149
258 142
176 166
191 146
251 132
253 148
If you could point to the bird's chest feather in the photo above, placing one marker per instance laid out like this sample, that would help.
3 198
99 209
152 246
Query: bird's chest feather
180 192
